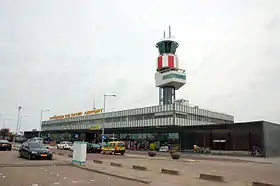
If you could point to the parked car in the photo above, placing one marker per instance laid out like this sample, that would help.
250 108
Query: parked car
64 145
114 147
37 139
164 149
34 150
5 145
94 148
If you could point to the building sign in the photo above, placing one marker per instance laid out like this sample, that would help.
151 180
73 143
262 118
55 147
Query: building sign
86 113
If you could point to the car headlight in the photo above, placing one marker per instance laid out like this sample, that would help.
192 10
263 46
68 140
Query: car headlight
33 152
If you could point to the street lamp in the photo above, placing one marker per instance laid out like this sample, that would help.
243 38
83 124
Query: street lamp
41 118
103 125
5 120
20 121
18 118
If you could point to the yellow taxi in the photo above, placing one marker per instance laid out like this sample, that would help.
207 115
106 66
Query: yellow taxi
114 147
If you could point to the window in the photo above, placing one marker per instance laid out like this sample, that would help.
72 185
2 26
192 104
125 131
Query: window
174 76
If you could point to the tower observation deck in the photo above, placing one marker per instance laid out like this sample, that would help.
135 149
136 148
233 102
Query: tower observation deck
169 77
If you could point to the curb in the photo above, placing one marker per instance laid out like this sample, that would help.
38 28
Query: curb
170 171
97 161
210 177
163 158
137 167
115 164
114 175
262 184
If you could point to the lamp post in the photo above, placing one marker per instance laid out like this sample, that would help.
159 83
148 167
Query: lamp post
5 120
18 118
41 118
20 121
103 125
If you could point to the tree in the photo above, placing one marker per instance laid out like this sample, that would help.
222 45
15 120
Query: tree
4 132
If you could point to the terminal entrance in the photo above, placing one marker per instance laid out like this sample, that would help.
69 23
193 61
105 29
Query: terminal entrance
93 137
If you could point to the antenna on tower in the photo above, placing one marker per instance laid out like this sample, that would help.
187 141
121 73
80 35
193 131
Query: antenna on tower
169 31
163 34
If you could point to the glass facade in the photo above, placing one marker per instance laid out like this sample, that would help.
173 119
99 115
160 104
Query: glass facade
167 47
141 141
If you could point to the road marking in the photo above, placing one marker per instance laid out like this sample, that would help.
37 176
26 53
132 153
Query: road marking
92 180
57 174
1 174
34 184
4 177
56 183
74 182
65 178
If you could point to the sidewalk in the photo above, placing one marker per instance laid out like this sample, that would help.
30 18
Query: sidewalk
234 173
193 156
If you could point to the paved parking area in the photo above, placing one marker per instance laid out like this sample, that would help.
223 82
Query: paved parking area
16 171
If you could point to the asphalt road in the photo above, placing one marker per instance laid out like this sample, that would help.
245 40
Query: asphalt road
15 171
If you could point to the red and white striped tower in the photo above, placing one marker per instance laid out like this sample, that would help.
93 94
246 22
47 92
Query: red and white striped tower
168 76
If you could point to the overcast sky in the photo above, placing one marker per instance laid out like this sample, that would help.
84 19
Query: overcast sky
63 55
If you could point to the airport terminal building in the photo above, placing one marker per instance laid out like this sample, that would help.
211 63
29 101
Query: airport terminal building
173 121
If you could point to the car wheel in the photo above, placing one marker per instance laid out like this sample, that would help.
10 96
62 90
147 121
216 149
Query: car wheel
49 158
122 153
9 149
20 154
29 157
103 152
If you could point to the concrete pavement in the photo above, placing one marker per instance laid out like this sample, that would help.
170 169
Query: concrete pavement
16 171
235 173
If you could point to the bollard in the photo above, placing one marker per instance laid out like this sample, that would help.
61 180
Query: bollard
170 171
255 183
211 177
137 167
97 161
116 164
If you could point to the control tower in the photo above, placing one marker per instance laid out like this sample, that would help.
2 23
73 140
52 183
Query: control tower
169 77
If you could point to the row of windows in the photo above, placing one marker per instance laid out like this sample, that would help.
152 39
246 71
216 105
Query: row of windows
139 136
201 118
174 76
147 113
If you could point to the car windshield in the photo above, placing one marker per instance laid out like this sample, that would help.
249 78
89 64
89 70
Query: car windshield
121 144
4 141
36 145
